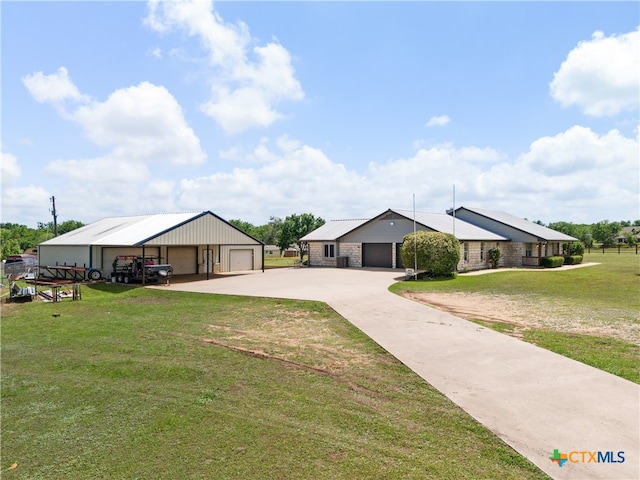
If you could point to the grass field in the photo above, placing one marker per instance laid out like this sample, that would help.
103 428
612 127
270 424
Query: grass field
604 295
131 383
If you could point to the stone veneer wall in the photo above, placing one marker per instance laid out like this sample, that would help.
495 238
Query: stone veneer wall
316 252
353 251
474 262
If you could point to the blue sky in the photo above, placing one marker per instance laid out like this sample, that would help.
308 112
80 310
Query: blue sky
340 109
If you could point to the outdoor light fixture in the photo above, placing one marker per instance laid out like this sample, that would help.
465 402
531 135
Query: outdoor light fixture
391 223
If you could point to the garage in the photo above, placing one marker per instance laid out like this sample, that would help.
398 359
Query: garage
184 260
377 255
183 240
240 259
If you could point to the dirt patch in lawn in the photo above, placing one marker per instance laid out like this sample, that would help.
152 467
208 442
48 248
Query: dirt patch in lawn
526 312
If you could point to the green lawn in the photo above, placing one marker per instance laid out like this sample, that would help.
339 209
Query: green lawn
131 383
608 294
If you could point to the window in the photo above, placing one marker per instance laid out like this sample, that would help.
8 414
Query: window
481 250
329 250
466 251
528 250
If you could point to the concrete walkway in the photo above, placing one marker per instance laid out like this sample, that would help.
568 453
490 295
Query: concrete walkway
534 400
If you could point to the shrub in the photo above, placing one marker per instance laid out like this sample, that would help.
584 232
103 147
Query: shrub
573 259
438 253
552 262
493 255
573 248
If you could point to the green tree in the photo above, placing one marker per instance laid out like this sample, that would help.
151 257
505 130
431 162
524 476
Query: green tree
270 232
436 253
631 238
605 232
295 227
68 226
10 247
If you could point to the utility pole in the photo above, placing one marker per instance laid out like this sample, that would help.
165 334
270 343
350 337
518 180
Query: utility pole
55 216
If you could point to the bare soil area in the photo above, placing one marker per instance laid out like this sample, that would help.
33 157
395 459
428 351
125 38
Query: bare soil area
526 312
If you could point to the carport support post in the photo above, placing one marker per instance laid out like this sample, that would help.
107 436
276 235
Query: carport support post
208 260
143 267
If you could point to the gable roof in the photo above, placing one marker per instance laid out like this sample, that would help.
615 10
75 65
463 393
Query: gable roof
540 231
133 230
439 222
333 229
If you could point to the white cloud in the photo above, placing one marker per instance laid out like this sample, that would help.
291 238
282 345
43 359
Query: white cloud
53 88
440 121
9 170
20 204
142 123
244 90
576 171
601 75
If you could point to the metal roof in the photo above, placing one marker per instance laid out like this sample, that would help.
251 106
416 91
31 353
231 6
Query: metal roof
127 231
441 222
333 230
522 224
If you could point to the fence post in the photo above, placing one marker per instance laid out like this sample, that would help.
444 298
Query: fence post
618 249
603 248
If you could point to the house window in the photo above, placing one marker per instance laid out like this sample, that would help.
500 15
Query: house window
466 251
528 250
329 250
481 250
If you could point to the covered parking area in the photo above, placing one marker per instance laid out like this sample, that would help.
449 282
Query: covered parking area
192 243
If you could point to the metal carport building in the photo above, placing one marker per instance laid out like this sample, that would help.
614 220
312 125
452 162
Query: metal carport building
191 242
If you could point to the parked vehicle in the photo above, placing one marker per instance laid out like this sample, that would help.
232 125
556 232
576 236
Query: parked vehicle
136 268
19 264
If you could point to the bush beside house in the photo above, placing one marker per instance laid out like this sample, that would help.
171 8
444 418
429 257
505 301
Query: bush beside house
435 253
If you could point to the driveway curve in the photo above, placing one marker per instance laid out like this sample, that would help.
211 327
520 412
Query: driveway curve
534 400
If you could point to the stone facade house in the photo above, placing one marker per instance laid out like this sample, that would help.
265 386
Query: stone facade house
528 241
376 242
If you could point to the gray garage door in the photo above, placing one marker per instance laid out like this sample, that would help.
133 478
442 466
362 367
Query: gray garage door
377 255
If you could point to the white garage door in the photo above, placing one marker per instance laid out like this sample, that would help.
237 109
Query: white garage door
184 260
240 259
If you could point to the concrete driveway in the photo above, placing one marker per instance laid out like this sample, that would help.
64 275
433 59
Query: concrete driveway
534 400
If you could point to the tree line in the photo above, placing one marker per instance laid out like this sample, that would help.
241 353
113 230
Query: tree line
605 233
16 238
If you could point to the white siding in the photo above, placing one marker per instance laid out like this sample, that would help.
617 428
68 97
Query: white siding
63 255
225 265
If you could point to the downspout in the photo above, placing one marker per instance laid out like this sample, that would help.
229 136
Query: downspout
263 258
